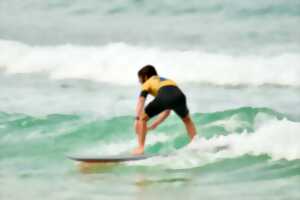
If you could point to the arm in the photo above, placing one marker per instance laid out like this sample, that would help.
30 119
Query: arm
160 119
140 106
140 126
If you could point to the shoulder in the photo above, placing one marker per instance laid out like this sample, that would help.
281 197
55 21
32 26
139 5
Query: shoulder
151 80
146 84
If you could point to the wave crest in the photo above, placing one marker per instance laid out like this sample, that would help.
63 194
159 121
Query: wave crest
118 63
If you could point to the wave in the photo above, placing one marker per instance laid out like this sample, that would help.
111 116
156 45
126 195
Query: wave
246 158
22 127
222 135
276 140
118 63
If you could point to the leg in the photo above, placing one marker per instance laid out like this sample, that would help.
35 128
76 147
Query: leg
190 127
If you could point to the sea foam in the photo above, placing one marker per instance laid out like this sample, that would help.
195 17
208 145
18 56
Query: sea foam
277 139
118 63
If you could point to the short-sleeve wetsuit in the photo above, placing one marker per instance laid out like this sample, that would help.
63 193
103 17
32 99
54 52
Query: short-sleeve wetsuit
167 96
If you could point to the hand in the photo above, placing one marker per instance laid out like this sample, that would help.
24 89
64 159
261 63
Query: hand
152 127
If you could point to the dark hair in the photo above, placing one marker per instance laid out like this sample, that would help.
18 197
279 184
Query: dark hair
146 72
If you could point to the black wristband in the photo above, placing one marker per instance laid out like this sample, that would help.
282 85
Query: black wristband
137 118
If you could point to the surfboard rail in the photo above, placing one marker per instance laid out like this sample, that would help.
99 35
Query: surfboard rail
110 159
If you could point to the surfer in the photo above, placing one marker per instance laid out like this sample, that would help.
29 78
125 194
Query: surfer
168 97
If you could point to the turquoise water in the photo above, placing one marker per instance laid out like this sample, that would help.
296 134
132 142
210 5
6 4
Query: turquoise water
238 147
68 86
230 156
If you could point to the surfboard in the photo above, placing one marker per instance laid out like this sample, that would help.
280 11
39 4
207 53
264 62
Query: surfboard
111 159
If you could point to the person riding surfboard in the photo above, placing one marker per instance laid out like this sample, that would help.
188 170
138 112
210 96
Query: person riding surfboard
168 97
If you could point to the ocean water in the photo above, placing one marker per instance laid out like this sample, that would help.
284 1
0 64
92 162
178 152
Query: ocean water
68 85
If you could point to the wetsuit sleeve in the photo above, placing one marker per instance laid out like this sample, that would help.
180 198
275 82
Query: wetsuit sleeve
144 93
145 89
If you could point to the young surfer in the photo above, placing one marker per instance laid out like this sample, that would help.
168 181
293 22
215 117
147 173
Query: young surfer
167 97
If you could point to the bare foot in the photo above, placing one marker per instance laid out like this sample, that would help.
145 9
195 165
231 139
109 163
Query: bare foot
138 151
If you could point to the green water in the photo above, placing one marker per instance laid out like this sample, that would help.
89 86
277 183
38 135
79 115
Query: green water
218 165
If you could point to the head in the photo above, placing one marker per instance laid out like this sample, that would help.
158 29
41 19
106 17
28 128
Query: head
146 72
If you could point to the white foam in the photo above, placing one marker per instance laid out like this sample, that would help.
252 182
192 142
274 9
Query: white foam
278 139
275 138
118 63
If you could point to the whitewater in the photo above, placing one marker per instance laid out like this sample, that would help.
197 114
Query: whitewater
108 64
